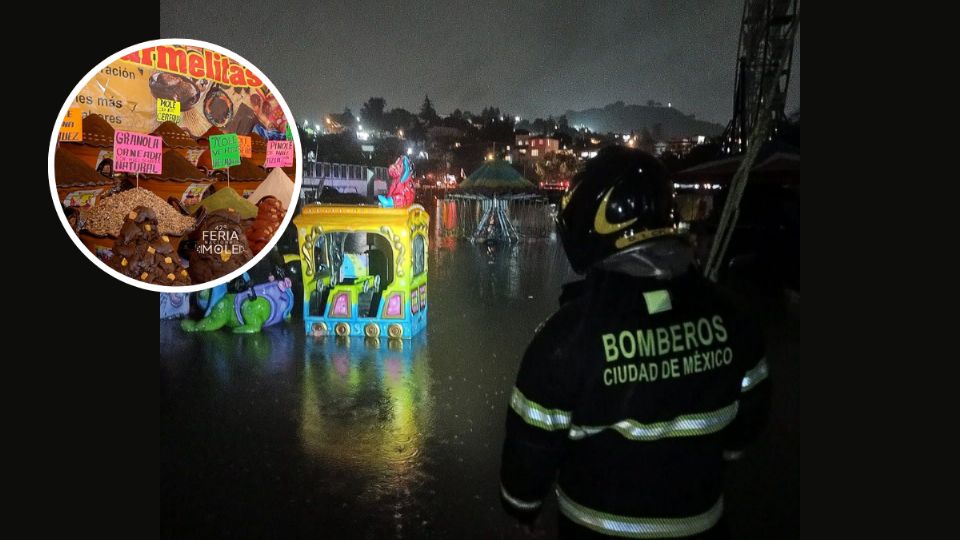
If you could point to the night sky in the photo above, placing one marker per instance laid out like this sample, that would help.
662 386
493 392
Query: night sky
529 58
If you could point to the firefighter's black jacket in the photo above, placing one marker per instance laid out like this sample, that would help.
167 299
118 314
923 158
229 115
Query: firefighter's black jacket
628 397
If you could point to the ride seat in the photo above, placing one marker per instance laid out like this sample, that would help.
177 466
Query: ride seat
379 265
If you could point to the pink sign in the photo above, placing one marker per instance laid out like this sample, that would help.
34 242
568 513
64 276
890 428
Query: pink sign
137 153
279 154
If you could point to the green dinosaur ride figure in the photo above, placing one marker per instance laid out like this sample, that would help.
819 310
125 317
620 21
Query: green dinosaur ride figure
245 312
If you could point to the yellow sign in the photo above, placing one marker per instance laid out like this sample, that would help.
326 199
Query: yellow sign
246 146
71 129
168 110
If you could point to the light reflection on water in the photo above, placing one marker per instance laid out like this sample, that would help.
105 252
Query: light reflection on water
276 435
366 406
367 441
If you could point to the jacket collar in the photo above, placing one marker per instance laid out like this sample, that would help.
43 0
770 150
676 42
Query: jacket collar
662 258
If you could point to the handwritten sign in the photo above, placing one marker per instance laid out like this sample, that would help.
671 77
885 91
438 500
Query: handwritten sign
82 199
224 150
246 146
168 110
137 153
279 154
71 129
193 194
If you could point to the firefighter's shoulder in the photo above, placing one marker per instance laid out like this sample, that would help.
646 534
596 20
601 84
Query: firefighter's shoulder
740 316
554 334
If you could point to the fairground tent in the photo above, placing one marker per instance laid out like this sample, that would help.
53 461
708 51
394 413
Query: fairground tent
497 176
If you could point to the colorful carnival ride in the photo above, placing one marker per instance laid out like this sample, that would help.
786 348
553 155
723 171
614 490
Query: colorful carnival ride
245 312
364 270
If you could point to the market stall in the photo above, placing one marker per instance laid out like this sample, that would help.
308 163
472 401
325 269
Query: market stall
162 182
178 179
258 147
178 140
78 185
277 184
100 225
272 197
96 145
204 140
245 178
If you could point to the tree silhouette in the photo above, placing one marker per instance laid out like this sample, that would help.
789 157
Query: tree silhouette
371 113
427 113
345 119
400 119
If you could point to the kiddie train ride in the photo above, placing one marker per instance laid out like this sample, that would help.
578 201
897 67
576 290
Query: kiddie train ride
364 268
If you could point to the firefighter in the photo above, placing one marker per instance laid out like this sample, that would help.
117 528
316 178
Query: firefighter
631 394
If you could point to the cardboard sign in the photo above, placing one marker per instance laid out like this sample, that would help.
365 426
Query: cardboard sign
246 146
224 150
168 109
71 129
279 154
137 153
82 199
193 194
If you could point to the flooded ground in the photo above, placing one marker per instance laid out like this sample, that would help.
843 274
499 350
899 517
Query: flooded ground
280 435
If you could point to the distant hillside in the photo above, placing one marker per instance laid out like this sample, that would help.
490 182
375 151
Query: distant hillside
618 117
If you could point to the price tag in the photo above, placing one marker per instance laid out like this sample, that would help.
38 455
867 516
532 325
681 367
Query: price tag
137 153
168 110
224 150
71 128
279 154
246 146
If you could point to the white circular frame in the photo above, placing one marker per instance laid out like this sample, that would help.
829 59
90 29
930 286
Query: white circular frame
58 204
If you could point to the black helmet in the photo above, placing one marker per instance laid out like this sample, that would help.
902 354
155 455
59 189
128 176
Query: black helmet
622 197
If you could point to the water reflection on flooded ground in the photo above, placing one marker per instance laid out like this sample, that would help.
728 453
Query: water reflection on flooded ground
280 435
371 440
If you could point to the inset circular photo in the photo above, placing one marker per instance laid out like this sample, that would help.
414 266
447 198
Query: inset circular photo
175 165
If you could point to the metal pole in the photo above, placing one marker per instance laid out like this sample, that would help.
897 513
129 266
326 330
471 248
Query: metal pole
731 209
